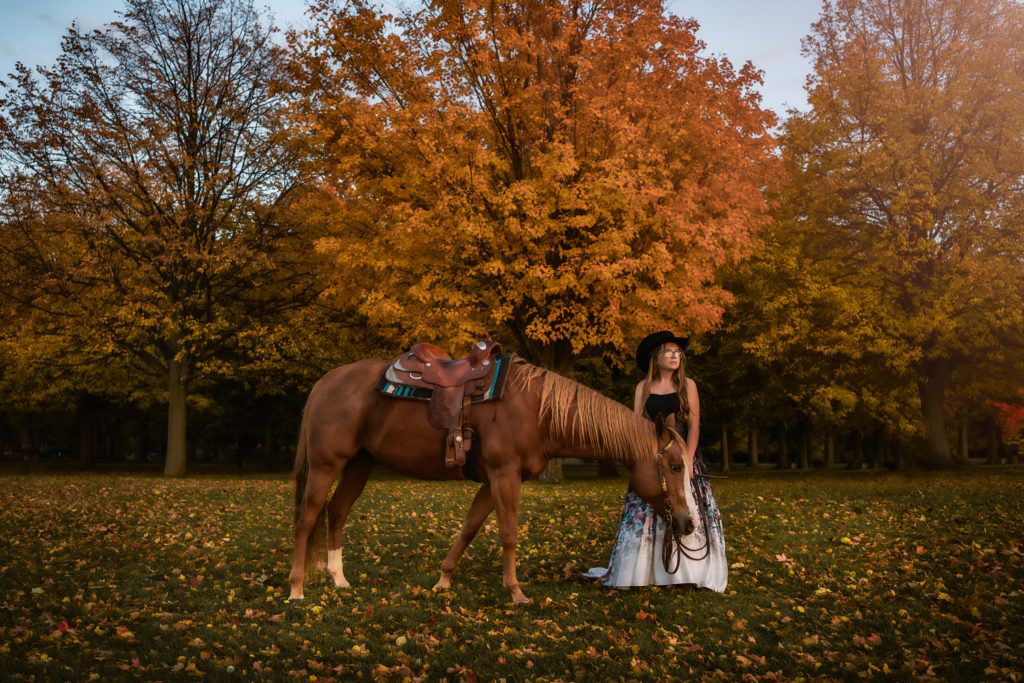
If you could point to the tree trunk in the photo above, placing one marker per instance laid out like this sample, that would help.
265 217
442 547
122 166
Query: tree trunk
176 460
725 446
830 448
878 452
993 441
86 435
963 455
116 447
805 447
552 474
932 390
783 448
28 450
555 356
144 443
268 446
752 462
858 450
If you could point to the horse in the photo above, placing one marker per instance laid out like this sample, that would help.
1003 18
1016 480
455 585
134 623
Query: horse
347 426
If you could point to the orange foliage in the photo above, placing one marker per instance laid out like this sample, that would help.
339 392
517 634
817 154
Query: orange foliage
573 172
903 220
1011 415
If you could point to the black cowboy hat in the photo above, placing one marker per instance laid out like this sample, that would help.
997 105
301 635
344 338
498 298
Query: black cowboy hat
652 342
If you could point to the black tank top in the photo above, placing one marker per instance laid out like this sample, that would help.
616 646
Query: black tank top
666 404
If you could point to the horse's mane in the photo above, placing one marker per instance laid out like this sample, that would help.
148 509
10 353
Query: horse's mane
581 416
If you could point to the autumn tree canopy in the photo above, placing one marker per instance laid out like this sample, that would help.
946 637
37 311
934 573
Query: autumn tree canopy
175 192
907 204
569 172
143 179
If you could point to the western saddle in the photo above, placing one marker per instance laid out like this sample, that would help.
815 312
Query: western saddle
453 383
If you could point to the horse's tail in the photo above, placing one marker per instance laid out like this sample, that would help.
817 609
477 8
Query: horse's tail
315 540
301 463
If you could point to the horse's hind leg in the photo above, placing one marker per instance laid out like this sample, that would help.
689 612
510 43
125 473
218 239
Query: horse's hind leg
480 508
353 479
314 495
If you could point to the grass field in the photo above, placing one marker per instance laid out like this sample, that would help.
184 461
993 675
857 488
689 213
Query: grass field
840 575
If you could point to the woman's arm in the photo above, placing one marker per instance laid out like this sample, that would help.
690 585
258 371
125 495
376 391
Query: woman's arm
693 422
637 398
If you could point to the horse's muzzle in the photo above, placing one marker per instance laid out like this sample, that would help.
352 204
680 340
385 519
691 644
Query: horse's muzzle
682 524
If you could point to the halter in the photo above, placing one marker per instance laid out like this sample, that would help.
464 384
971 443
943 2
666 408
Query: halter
673 548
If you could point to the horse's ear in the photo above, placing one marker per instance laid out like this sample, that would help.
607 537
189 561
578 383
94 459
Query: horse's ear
659 424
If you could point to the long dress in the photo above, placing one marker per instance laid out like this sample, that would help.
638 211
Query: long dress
637 552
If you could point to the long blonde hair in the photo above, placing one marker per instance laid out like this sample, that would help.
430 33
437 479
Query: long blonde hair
678 381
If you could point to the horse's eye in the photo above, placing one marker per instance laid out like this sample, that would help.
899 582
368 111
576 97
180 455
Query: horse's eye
677 468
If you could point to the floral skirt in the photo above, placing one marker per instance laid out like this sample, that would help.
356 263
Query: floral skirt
637 552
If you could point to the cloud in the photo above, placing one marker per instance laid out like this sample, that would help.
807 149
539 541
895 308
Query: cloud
46 19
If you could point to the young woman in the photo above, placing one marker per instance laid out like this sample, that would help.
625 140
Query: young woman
637 552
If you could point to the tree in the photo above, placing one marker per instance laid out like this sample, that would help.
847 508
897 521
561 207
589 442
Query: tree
1011 418
797 347
907 183
144 183
570 172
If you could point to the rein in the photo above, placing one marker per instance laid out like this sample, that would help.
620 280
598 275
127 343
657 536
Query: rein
673 549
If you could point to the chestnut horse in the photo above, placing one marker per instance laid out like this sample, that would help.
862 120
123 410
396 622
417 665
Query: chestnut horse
347 425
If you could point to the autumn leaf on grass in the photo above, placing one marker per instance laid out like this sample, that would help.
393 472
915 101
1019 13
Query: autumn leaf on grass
644 616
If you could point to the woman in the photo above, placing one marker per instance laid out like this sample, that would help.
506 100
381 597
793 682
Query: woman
637 553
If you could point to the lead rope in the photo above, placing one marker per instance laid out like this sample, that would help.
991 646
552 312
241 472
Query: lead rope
702 507
667 548
673 548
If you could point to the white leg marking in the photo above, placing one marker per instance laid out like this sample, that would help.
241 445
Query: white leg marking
334 566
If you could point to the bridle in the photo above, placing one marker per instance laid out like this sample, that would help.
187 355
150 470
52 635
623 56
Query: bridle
673 549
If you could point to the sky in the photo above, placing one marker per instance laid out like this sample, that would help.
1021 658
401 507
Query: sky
765 33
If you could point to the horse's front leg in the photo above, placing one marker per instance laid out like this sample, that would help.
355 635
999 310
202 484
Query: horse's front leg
505 487
353 480
480 508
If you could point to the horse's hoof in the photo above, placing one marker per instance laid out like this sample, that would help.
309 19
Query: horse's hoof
341 584
520 600
296 595
443 584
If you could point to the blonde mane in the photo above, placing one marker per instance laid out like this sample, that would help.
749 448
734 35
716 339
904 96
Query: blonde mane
582 417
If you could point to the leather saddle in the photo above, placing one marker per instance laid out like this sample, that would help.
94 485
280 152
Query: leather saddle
454 383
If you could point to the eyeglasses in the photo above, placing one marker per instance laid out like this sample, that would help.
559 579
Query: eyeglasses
672 352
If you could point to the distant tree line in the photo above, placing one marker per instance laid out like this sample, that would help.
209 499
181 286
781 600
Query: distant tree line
198 220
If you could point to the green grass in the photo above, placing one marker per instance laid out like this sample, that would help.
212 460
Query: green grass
850 576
